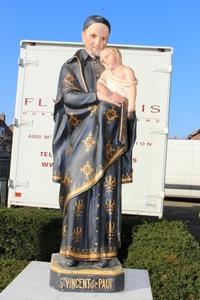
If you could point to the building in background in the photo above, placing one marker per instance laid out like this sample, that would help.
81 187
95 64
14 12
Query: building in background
194 135
5 155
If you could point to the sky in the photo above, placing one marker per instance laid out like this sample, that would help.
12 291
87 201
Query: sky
173 23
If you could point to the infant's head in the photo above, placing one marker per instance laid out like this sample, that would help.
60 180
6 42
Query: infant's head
110 57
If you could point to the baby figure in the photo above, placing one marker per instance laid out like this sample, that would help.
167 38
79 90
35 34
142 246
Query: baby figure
117 78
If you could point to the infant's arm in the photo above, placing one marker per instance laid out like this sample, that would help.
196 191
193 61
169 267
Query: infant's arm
103 91
132 91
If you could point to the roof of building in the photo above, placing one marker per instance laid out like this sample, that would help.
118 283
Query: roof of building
194 133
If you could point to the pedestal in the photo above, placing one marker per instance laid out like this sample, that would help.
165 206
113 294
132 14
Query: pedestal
86 277
33 284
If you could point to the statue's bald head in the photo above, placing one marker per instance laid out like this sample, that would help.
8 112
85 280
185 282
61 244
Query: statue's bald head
96 19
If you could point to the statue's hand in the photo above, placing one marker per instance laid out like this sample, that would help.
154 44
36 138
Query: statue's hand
117 98
111 97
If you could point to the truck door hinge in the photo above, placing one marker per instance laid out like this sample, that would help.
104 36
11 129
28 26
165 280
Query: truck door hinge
166 69
14 183
161 131
18 124
28 62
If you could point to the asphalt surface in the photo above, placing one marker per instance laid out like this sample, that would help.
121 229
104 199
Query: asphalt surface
188 211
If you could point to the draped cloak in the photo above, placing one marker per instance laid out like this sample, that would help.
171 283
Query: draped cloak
92 151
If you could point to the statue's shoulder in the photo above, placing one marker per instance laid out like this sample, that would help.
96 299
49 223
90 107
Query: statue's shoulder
75 57
72 64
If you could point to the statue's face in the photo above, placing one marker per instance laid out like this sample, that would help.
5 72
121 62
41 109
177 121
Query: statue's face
95 38
109 59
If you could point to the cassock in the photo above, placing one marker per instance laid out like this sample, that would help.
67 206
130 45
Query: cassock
92 151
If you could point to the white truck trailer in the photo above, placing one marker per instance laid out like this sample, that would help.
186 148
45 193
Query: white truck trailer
30 181
183 169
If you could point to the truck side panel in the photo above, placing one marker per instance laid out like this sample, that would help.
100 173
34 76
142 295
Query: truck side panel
31 165
183 169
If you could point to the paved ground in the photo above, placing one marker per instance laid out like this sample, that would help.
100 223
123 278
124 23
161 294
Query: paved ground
187 211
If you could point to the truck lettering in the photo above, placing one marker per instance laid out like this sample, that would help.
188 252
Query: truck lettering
39 136
47 137
142 143
45 154
28 100
143 107
34 136
147 120
40 103
153 108
47 164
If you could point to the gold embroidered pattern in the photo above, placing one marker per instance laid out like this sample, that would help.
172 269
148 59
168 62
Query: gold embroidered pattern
77 234
67 180
96 177
93 109
73 121
126 178
78 207
109 206
110 183
89 142
69 82
111 115
57 178
109 151
110 230
64 231
69 77
87 169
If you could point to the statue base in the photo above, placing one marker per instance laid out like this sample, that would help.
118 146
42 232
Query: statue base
86 277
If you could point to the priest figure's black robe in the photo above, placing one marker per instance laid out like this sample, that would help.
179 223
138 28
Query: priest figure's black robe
92 150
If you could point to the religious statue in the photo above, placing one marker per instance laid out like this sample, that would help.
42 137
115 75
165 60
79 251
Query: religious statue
95 130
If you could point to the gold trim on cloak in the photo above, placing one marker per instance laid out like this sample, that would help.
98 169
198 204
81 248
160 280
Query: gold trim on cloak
95 179
123 121
127 178
82 77
88 256
57 178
